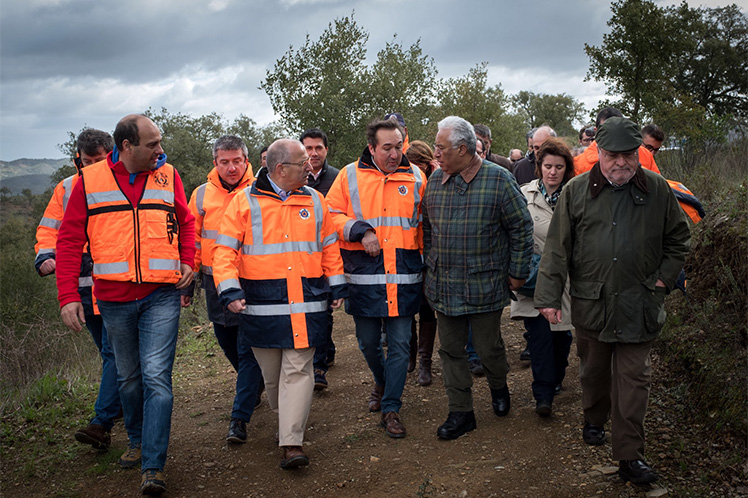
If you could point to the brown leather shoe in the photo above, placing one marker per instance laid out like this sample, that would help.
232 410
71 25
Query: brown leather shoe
392 425
375 398
293 456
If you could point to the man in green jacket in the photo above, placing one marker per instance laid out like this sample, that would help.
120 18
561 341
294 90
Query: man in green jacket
619 233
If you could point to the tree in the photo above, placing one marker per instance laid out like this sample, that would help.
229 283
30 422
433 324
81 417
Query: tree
560 111
327 84
471 98
255 137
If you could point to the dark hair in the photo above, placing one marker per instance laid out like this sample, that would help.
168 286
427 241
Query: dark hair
90 141
482 130
127 129
264 149
654 131
607 112
373 127
230 142
314 133
555 147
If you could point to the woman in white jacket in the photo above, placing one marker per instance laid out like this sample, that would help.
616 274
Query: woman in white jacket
549 344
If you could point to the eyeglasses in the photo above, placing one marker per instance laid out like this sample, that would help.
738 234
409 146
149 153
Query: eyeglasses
301 164
653 150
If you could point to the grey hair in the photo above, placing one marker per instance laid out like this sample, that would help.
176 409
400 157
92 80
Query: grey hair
230 142
462 132
279 152
548 129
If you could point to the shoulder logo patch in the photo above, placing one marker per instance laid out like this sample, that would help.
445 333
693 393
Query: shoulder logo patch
304 213
403 190
161 179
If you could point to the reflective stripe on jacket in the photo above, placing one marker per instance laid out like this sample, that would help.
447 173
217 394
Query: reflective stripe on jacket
361 198
147 248
289 265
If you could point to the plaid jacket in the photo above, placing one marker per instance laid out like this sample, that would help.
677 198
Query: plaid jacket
475 235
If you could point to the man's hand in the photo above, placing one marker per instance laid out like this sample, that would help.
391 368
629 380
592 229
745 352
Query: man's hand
72 315
187 276
47 267
516 283
553 315
237 306
186 301
336 303
371 244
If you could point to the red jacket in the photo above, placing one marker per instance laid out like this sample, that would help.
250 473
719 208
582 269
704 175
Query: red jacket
72 238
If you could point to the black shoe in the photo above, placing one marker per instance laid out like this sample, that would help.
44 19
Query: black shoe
457 424
500 401
524 355
636 471
237 431
320 382
593 435
557 390
544 408
476 367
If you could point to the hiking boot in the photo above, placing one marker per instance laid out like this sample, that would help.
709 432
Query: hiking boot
293 457
392 424
500 401
237 431
457 424
152 482
95 435
320 382
131 458
593 435
544 408
375 398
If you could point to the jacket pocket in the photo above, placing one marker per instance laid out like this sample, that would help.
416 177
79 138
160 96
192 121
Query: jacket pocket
654 309
587 305
484 284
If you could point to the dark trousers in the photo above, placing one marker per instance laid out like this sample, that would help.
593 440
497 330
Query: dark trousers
549 353
325 351
616 379
453 337
248 373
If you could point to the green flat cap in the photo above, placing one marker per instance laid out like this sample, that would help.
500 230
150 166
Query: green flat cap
618 135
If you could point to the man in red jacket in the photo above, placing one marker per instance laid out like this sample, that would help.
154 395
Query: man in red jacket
133 212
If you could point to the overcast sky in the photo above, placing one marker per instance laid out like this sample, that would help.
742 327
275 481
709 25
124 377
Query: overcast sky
69 63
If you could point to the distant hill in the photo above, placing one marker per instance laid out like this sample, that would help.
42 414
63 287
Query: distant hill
32 174
20 167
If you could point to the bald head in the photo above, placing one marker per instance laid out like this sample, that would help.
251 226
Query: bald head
138 140
288 164
540 136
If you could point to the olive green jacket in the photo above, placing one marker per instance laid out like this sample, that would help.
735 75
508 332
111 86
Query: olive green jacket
615 244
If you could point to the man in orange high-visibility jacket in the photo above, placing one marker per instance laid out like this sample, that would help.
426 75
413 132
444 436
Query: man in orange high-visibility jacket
133 212
587 159
92 146
276 261
376 205
231 174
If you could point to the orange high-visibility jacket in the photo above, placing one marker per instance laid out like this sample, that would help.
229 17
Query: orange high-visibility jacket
587 159
288 267
207 204
46 241
364 198
688 202
147 248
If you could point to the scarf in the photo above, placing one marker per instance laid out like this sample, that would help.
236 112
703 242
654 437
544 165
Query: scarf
553 198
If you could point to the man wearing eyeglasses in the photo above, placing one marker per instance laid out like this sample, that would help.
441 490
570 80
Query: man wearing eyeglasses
376 206
524 169
276 263
652 138
619 234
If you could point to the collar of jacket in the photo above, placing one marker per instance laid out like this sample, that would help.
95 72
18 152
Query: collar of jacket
262 186
367 162
598 181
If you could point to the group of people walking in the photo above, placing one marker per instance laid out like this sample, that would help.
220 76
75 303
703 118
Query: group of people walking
403 231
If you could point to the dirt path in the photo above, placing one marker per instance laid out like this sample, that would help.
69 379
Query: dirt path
521 455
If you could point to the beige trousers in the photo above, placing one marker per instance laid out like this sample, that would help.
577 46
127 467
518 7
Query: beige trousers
615 379
289 383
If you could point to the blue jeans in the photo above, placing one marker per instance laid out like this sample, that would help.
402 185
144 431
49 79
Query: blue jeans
143 335
549 356
248 373
107 402
389 372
